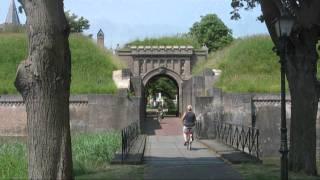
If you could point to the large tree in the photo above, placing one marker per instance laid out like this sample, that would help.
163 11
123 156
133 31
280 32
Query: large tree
43 80
77 24
301 71
212 32
163 85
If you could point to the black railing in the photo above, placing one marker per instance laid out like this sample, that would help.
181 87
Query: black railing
243 138
128 135
198 129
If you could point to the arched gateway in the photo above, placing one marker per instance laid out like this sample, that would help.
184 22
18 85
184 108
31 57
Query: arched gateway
175 62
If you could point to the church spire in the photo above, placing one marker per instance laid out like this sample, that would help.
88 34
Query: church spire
12 16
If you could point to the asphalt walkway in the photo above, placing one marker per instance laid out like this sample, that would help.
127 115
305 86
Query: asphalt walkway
167 158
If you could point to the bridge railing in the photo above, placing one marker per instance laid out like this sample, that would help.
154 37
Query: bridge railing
243 138
198 129
128 135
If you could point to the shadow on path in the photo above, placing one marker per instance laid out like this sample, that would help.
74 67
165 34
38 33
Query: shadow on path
167 158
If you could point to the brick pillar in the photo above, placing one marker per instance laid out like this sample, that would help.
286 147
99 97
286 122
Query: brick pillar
187 69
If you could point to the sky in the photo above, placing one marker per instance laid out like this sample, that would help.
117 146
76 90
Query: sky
125 20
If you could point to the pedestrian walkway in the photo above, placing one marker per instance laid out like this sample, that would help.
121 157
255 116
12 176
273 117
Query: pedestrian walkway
167 158
166 127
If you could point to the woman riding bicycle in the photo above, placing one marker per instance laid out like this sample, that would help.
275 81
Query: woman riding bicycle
189 121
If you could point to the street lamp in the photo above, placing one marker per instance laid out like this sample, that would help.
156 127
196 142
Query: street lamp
283 27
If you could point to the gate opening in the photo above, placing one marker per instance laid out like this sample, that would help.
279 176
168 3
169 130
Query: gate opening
162 94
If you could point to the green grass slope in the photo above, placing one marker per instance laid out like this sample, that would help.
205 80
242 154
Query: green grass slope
178 40
91 66
248 65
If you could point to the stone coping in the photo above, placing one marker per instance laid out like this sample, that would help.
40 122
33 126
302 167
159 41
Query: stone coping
161 47
162 50
17 99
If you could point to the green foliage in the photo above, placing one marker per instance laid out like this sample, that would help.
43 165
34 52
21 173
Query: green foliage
13 49
77 25
246 4
212 32
92 151
13 161
91 66
168 89
164 85
248 65
178 40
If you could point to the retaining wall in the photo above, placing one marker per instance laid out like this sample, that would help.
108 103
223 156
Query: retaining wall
88 113
259 110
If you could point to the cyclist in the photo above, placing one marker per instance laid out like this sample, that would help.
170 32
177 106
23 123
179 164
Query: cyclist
189 121
160 112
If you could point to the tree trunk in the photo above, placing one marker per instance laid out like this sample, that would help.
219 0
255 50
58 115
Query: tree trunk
301 74
44 83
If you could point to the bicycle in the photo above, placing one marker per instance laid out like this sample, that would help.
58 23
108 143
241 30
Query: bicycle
160 116
189 135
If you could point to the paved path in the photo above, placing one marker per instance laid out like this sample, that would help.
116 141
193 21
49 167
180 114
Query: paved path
167 158
166 127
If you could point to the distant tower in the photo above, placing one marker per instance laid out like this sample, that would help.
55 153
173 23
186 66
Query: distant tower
12 16
100 38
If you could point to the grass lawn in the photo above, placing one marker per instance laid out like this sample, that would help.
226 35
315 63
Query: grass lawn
269 170
92 154
248 65
91 66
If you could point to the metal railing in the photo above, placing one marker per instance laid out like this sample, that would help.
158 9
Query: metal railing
128 136
243 138
198 129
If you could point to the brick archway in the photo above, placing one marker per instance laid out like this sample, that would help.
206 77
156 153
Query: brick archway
162 71
176 62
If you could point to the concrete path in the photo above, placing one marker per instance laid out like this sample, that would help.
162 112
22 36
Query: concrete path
166 127
167 158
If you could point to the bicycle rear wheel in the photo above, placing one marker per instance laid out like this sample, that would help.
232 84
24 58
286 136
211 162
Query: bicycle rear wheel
189 142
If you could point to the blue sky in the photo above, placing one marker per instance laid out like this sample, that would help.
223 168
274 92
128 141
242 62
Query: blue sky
126 20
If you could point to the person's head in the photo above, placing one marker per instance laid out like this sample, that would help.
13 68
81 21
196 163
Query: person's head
189 108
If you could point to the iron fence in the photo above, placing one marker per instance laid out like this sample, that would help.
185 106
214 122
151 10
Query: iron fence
198 129
128 135
243 138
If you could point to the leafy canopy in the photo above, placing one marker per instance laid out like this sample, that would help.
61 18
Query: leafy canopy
212 32
77 25
164 85
246 4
